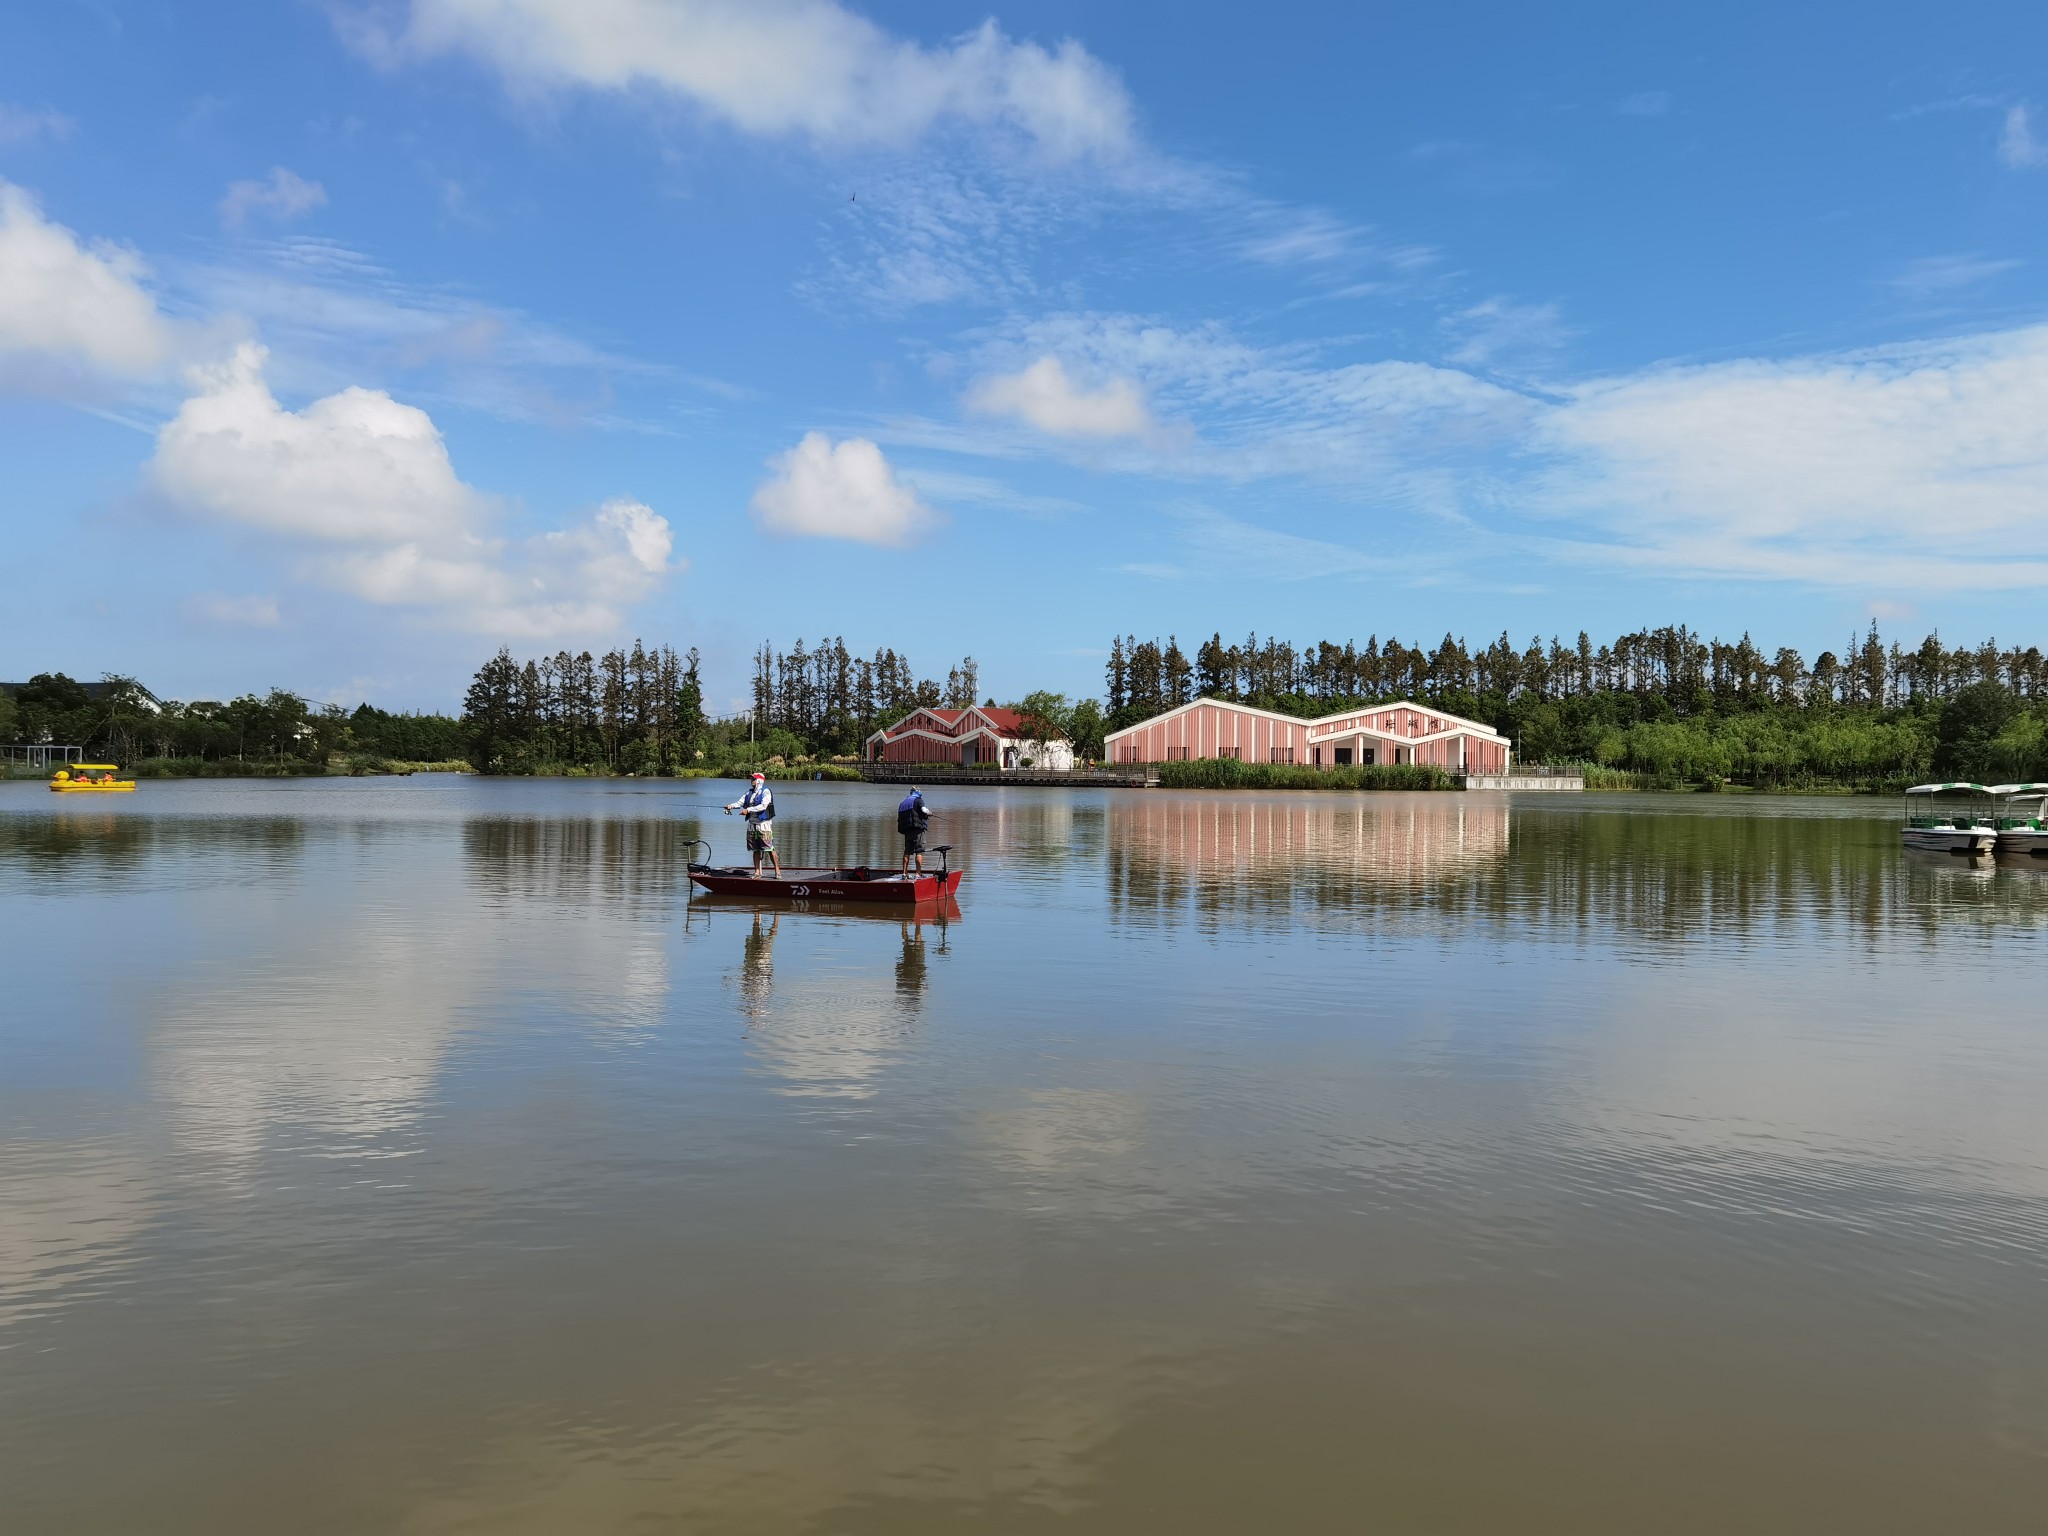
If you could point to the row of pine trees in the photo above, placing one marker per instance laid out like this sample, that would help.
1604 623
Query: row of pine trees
833 700
1674 663
637 711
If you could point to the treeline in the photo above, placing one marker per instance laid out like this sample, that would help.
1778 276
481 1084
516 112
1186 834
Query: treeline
637 711
1664 703
120 720
1673 663
832 700
642 711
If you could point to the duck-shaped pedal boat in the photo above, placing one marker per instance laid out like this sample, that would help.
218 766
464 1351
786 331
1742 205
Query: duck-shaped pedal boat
90 779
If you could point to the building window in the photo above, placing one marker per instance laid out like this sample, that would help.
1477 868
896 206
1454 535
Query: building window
1365 757
1179 754
1343 757
1283 754
1230 752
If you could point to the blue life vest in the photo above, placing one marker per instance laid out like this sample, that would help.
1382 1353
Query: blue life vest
911 815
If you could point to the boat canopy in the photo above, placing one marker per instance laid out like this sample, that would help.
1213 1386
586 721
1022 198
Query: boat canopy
1958 787
99 767
2019 789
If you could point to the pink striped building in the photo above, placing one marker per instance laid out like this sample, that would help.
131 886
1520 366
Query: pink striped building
1387 733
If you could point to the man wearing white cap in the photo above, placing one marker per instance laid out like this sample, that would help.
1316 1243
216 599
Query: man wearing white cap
758 806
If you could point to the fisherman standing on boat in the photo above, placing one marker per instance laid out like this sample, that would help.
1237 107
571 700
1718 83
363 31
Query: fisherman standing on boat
912 817
758 806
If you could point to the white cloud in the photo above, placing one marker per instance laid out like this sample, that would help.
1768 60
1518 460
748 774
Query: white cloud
2017 146
1944 274
820 489
1923 465
1644 104
778 67
18 125
362 487
284 195
71 314
354 466
1046 397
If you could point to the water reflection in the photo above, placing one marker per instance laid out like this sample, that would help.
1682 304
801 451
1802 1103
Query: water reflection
1237 858
433 1162
69 1215
825 1033
632 865
1633 874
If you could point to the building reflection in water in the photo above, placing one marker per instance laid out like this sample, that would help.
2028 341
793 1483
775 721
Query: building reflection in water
1229 857
1642 880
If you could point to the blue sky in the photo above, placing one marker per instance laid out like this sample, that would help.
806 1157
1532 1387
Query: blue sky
341 343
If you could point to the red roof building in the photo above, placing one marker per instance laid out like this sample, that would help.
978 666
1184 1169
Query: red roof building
966 738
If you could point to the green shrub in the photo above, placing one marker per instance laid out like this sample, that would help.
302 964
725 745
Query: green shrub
1231 773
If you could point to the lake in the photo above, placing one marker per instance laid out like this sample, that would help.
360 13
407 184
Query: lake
415 1155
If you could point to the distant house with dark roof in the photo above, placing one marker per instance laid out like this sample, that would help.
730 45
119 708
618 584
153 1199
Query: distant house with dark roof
968 737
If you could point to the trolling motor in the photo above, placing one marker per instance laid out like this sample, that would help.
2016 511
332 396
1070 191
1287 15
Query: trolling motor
942 850
705 844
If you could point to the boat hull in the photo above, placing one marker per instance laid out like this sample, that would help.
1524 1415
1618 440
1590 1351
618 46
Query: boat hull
119 787
942 909
2023 842
880 886
1959 840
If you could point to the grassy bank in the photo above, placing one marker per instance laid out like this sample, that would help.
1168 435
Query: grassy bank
358 765
838 773
1229 773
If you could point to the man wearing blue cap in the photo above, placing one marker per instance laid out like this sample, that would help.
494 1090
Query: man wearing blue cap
911 819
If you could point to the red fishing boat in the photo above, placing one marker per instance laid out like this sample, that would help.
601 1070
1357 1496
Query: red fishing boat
855 882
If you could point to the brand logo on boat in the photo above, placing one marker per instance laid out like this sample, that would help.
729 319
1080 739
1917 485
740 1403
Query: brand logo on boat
799 890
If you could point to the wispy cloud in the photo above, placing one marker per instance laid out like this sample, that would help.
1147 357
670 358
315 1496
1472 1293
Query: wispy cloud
2017 146
955 488
1922 465
1227 545
1644 104
243 612
332 315
1241 411
1932 275
1483 170
815 70
20 125
283 195
1499 330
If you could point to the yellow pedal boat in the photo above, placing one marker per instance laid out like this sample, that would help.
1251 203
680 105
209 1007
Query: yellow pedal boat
90 778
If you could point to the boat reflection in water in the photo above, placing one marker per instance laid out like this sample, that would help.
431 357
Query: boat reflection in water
832 1026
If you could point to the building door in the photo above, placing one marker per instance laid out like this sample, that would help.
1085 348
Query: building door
968 755
1343 757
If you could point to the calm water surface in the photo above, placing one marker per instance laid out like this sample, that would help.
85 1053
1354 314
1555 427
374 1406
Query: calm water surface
417 1156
